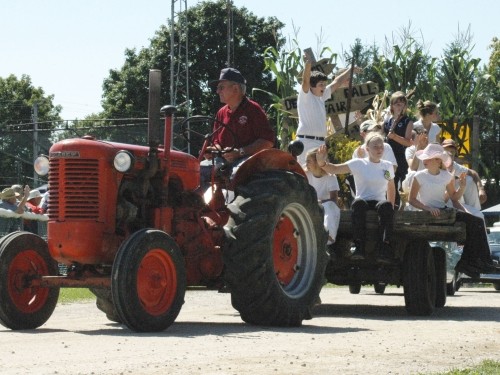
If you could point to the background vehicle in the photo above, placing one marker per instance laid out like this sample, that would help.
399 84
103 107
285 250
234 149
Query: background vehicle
494 242
129 223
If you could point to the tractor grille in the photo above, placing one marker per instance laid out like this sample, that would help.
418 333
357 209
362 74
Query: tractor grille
74 189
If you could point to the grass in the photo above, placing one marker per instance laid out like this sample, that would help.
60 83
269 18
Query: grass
70 295
487 367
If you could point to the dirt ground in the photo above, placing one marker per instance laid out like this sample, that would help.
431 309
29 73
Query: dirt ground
350 334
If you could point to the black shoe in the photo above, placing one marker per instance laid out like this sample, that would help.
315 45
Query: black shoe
357 251
385 254
333 251
485 267
468 269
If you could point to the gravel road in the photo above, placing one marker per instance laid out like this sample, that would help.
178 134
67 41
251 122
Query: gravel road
350 334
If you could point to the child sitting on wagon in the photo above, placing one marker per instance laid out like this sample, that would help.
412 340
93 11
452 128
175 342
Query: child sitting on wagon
427 193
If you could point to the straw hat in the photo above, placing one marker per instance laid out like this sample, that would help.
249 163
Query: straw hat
9 193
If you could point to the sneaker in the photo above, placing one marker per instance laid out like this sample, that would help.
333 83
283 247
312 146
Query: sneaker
357 250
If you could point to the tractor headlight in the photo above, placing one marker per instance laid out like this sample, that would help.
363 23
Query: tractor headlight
42 165
123 161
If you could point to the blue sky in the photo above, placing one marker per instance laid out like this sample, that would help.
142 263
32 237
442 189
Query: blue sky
67 47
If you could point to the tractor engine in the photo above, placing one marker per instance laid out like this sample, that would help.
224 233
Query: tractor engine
199 238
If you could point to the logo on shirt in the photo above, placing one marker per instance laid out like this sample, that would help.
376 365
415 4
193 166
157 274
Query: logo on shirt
387 174
243 120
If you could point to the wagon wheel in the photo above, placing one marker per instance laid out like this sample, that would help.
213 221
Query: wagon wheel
420 278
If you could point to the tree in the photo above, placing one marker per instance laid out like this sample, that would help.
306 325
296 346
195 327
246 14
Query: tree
488 108
18 99
125 90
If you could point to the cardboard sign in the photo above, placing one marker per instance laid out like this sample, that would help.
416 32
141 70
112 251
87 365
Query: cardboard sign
322 65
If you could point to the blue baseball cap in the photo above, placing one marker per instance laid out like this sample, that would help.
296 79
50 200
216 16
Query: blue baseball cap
230 74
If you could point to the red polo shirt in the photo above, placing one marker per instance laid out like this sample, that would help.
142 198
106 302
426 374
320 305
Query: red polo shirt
243 126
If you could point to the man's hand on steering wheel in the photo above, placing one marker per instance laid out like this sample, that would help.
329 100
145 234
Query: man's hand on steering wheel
212 150
228 153
231 154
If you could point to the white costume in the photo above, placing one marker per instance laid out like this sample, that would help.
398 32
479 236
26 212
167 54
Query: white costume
323 186
312 120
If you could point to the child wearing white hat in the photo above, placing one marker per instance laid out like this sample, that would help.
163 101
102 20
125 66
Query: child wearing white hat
428 192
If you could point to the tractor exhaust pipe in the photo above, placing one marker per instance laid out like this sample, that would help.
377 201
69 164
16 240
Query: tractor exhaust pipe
154 120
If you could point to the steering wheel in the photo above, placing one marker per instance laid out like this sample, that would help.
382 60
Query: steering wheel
208 138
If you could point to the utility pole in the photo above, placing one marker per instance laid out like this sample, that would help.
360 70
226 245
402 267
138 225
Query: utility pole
229 5
36 147
179 57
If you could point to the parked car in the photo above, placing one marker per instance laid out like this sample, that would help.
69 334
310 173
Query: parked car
494 242
453 254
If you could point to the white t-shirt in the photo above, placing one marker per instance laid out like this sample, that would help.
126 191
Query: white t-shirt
312 113
433 132
387 155
371 178
433 187
323 185
410 154
471 195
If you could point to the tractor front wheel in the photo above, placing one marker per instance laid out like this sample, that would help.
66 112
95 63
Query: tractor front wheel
148 281
24 259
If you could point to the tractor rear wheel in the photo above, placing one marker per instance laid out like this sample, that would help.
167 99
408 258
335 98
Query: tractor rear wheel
275 251
148 281
419 278
24 258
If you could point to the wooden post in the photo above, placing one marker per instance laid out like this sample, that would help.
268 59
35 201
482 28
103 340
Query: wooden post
475 143
349 96
154 120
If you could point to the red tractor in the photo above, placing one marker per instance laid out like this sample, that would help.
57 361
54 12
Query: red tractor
129 223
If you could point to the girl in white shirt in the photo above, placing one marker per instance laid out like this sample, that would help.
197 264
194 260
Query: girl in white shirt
375 190
428 112
327 188
428 192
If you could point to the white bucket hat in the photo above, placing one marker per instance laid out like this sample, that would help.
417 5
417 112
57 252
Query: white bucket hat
34 194
434 151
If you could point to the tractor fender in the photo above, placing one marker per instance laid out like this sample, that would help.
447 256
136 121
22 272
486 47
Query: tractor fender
266 160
